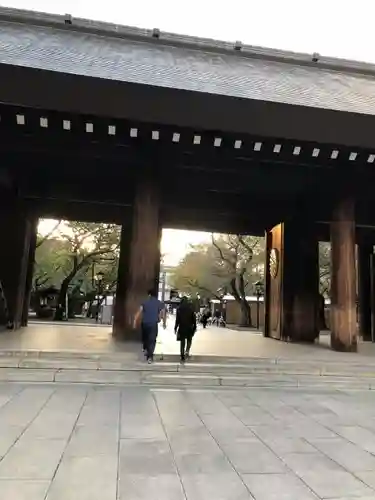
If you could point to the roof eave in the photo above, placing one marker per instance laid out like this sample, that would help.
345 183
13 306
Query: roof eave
112 30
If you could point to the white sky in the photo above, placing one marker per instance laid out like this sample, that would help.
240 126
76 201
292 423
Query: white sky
336 28
174 245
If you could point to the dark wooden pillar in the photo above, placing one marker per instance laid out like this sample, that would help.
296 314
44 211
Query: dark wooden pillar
29 272
158 260
343 279
16 227
364 256
372 287
139 255
292 282
119 321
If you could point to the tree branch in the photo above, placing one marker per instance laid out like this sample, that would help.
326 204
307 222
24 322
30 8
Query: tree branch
235 293
48 235
195 284
221 253
248 247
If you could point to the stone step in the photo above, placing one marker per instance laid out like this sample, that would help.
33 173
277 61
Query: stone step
155 376
229 367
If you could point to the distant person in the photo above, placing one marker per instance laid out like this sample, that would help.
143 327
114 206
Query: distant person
151 312
217 316
185 327
205 317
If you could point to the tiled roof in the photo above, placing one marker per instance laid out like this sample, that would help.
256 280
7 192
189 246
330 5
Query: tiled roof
131 55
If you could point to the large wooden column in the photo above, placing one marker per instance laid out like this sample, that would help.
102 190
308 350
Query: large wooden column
364 257
30 271
139 258
16 228
292 282
158 260
343 279
119 318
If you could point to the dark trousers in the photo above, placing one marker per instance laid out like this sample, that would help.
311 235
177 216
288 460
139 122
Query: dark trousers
149 336
185 343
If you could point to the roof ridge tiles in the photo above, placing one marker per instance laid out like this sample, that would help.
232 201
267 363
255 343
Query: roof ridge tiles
237 49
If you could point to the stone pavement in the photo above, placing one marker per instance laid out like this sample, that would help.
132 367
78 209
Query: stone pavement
225 342
103 443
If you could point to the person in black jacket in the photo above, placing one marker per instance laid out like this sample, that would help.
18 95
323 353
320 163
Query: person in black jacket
185 327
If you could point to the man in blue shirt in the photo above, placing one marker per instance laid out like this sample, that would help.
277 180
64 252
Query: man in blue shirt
152 311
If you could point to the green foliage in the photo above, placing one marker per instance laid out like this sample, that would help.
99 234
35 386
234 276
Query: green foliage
67 258
209 268
325 268
198 273
230 264
51 262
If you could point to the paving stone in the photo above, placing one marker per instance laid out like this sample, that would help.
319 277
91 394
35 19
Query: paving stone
142 426
353 498
98 376
85 478
367 477
8 436
23 490
180 379
276 440
257 381
146 456
348 455
358 435
305 462
277 487
193 442
25 375
335 483
250 457
32 459
96 415
57 364
283 445
252 415
203 463
87 441
57 419
215 486
163 487
9 362
227 428
25 406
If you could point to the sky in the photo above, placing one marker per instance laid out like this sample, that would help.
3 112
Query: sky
174 245
335 28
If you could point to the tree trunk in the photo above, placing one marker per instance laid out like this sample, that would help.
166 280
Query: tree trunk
89 309
245 313
241 301
61 300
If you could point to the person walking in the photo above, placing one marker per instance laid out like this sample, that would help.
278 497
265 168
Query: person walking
205 316
151 312
185 327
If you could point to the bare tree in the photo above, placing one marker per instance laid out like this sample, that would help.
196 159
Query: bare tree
89 243
236 253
